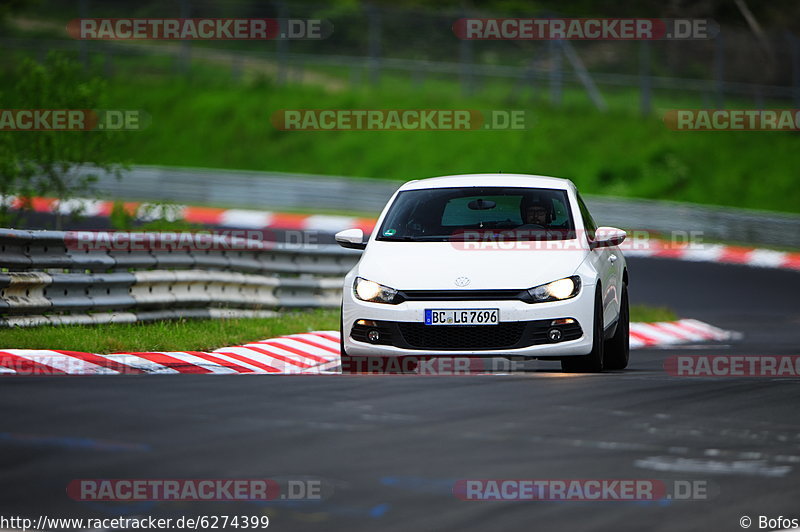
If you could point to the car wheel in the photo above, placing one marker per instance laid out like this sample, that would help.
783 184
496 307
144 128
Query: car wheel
617 348
593 362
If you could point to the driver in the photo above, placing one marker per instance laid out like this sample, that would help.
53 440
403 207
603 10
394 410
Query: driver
535 213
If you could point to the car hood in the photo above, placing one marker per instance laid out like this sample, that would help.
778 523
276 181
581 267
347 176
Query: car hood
437 265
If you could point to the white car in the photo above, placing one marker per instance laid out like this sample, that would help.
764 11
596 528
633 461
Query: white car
488 265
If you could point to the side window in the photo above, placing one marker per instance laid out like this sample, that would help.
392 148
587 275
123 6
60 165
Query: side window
588 221
561 215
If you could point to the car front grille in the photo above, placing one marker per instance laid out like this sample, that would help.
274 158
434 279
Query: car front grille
460 295
506 335
421 336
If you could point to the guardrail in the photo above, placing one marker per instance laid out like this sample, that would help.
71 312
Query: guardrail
248 189
53 277
273 190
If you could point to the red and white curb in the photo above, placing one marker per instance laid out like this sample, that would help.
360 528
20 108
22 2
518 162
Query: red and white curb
266 220
308 353
760 258
233 218
666 333
314 352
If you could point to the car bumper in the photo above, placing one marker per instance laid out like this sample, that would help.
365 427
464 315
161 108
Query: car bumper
580 308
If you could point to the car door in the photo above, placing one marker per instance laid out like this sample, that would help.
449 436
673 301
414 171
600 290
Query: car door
606 262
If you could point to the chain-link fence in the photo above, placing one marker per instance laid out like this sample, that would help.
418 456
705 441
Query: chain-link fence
374 44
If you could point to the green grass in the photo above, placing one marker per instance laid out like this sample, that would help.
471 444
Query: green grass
647 313
201 335
209 120
221 125
187 335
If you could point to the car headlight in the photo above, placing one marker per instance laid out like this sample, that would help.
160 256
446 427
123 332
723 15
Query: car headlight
556 290
366 290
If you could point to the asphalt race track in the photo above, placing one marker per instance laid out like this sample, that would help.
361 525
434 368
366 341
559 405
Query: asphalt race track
391 447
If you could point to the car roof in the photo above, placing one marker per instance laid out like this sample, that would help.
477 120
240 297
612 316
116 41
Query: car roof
490 180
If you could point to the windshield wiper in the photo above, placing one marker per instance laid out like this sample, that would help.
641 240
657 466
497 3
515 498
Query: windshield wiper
398 238
421 238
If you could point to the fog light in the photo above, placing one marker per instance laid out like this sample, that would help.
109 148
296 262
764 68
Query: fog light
554 335
373 336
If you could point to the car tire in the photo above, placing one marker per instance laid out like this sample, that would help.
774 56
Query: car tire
593 362
617 348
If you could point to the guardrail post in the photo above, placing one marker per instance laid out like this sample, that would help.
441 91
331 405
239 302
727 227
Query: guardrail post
794 54
355 76
719 71
108 64
645 83
236 68
417 78
282 45
583 75
374 18
758 97
186 45
465 58
556 74
83 45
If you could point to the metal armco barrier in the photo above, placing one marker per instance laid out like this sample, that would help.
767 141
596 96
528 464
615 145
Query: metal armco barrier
52 277
243 188
273 190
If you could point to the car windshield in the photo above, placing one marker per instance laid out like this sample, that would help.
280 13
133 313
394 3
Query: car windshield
510 213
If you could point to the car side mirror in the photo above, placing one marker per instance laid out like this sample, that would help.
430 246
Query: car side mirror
351 239
607 236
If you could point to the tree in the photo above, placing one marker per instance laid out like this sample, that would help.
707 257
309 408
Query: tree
60 164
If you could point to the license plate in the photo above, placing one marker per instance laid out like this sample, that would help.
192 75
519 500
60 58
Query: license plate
466 316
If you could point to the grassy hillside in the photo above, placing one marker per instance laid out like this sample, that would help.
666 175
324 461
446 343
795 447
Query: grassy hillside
226 125
207 119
